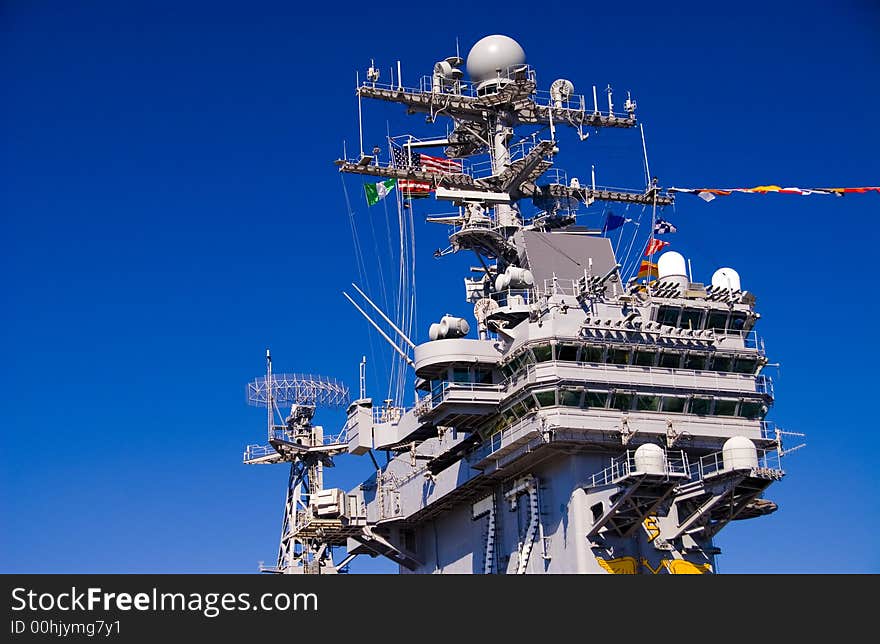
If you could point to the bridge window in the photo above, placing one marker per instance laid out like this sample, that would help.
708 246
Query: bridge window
722 363
570 398
567 352
668 315
717 321
618 356
460 374
700 406
673 404
696 361
752 410
595 399
745 365
670 359
483 376
594 354
543 353
546 398
737 322
647 403
644 358
725 407
691 319
622 401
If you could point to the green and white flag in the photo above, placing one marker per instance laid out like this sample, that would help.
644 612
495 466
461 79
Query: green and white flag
377 191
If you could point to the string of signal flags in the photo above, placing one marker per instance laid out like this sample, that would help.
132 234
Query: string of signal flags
708 194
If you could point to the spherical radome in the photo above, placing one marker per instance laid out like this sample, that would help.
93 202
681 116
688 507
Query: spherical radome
492 53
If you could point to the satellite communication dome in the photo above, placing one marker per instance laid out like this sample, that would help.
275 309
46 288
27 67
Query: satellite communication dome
671 264
492 53
739 452
726 278
650 458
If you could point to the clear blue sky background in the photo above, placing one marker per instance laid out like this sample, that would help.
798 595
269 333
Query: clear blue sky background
169 208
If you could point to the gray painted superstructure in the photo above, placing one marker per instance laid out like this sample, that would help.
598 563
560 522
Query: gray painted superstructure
592 426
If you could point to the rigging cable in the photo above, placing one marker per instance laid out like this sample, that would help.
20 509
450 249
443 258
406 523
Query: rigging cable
359 259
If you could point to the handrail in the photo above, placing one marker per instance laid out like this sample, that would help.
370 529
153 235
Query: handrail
767 461
674 464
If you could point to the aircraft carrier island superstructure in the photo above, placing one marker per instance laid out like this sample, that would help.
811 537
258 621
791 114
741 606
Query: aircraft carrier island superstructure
588 423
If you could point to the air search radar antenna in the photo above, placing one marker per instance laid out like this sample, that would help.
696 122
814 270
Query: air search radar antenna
304 548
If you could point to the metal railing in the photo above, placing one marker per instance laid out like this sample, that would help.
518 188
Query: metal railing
440 393
764 385
675 464
253 452
762 460
513 297
495 442
386 414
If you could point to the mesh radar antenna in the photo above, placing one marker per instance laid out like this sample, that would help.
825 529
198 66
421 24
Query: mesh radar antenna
313 517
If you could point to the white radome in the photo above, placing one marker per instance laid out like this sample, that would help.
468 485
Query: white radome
671 264
726 278
492 53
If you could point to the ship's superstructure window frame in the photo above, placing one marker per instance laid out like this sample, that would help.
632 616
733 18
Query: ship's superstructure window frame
673 404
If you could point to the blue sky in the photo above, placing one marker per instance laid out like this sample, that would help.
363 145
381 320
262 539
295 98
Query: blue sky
169 208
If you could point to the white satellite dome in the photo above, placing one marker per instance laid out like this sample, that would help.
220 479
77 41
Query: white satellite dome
739 453
650 458
492 53
671 264
726 278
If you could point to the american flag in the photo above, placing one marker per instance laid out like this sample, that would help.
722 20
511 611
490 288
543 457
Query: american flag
424 162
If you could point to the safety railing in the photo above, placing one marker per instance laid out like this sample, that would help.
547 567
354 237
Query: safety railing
513 297
764 385
441 392
674 464
733 459
496 441
254 452
387 414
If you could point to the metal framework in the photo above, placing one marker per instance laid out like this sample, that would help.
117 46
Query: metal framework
298 389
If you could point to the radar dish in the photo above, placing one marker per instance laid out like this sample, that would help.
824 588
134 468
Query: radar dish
561 90
298 389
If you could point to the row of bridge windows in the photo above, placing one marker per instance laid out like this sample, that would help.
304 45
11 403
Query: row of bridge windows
643 356
632 401
687 318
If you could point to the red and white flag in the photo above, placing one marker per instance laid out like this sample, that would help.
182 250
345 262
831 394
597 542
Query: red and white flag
655 246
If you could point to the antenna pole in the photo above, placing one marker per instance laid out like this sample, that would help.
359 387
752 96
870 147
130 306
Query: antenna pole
357 77
381 332
595 101
384 317
363 374
270 399
399 77
645 152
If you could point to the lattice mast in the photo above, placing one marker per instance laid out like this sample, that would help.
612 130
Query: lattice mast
302 549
